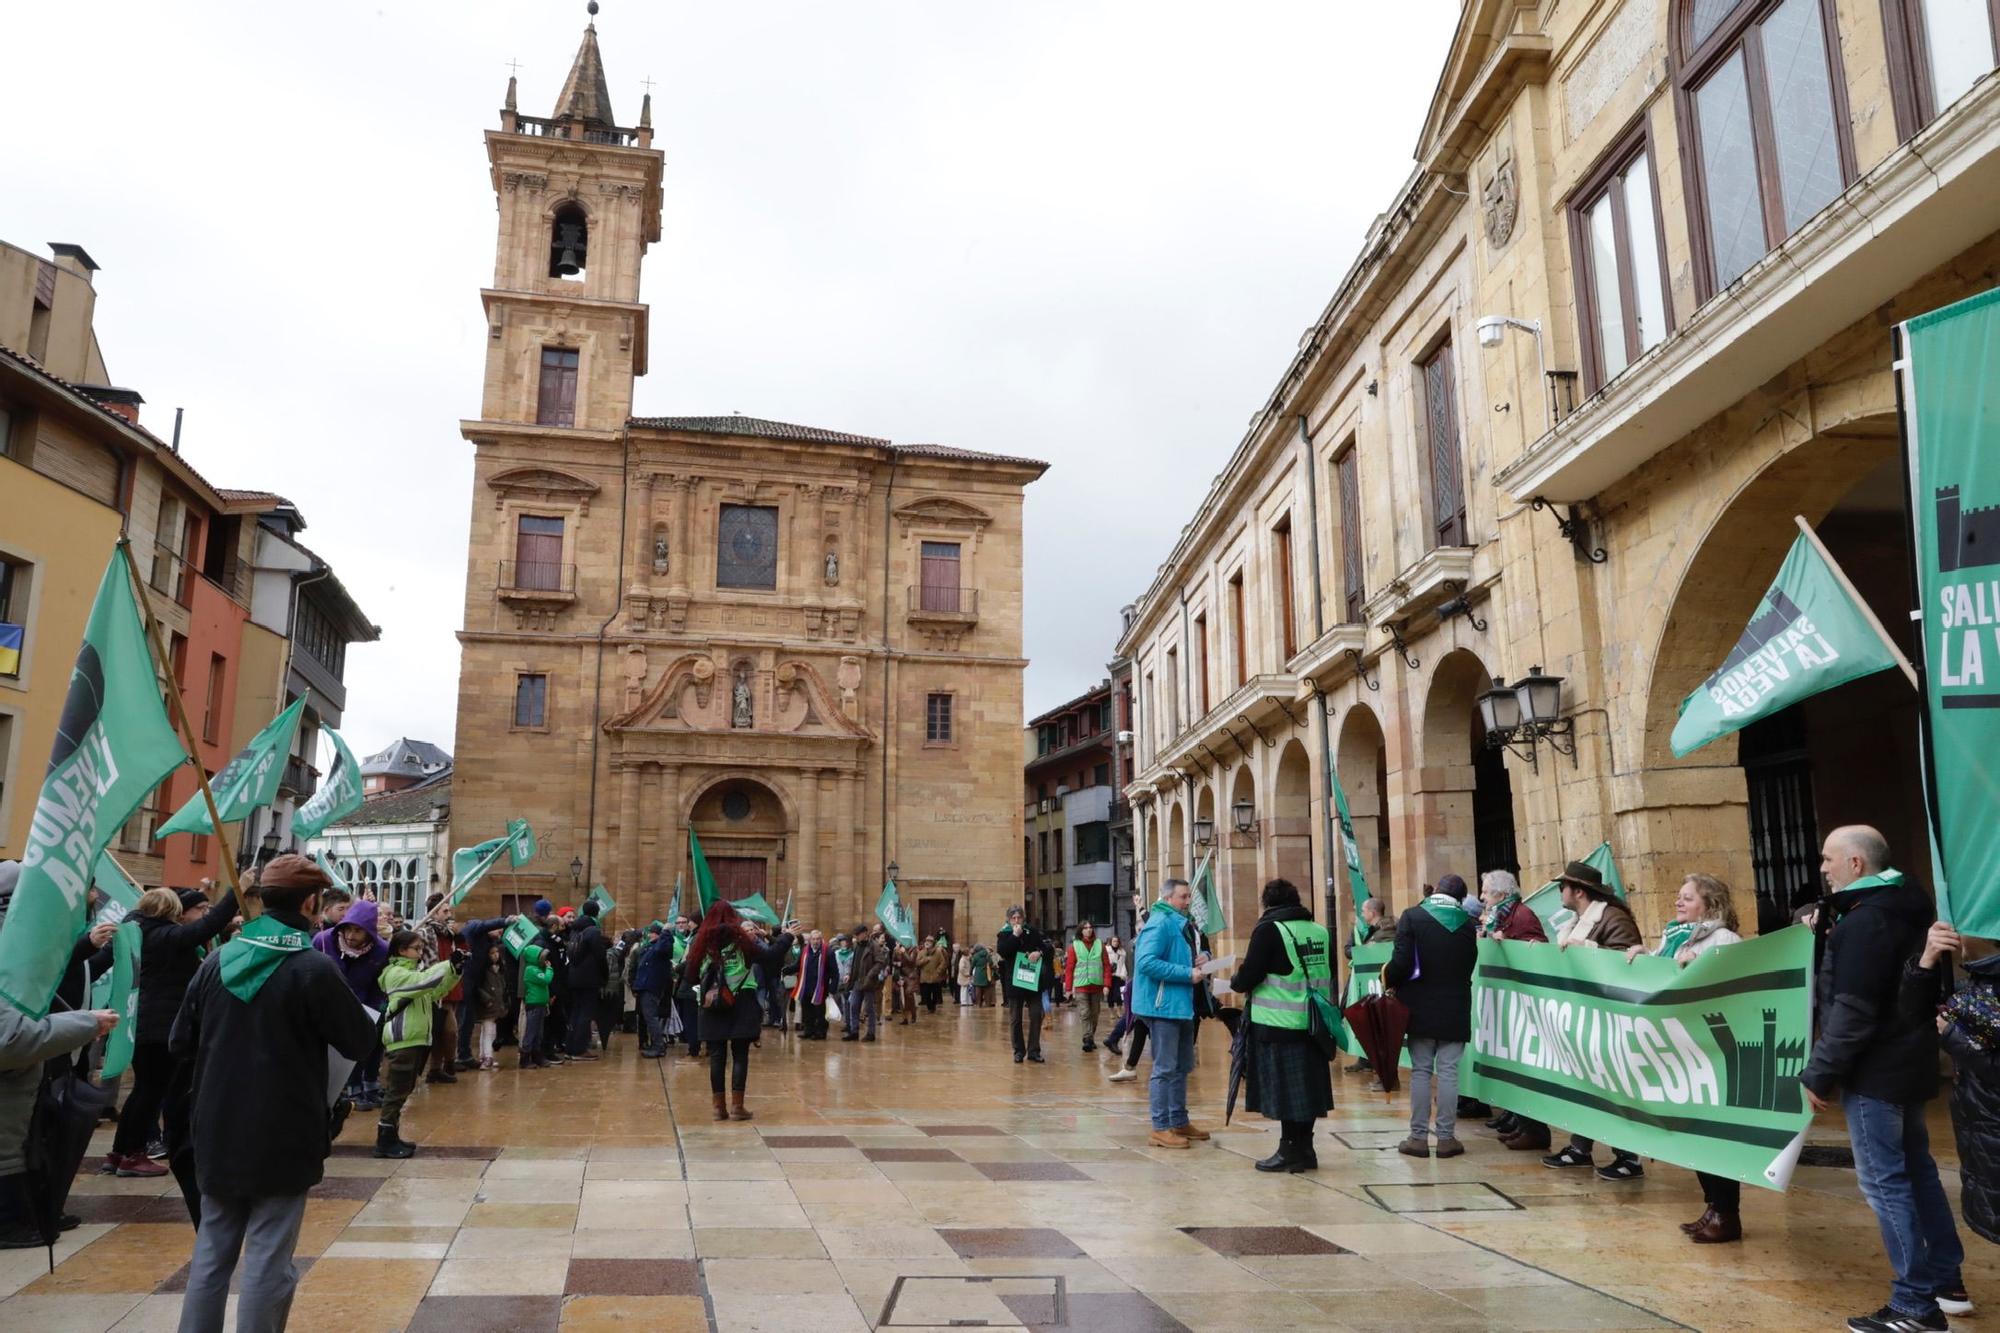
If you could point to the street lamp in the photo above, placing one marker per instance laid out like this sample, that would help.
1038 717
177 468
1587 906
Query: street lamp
1527 712
576 872
1204 831
1244 813
1492 329
895 872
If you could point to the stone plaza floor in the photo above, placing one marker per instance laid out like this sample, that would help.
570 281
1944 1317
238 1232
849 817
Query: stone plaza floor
926 1181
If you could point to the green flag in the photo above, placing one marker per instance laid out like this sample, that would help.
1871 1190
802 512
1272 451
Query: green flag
470 864
113 745
1951 419
521 846
519 935
337 798
118 989
121 895
704 880
1809 635
1350 852
674 907
1546 902
757 908
1696 1065
325 864
895 918
605 902
1206 909
245 782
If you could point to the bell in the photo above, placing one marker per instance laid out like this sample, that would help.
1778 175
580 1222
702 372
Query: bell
566 263
569 249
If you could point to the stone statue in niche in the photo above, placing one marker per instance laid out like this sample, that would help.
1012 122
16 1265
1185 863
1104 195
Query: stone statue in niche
832 569
739 697
660 559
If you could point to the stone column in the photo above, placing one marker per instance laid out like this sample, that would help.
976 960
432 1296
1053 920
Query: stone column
671 859
630 879
642 549
846 851
680 499
805 854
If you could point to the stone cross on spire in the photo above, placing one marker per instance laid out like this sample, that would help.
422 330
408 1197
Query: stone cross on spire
586 95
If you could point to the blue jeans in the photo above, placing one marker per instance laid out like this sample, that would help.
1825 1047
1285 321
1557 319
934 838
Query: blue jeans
1892 1163
1173 1053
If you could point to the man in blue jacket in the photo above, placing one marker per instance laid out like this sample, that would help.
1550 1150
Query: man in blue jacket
1164 976
653 984
474 934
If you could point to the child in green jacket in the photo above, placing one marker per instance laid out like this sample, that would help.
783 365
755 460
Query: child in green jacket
412 993
536 974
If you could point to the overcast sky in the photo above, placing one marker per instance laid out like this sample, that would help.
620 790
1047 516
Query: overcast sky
1090 231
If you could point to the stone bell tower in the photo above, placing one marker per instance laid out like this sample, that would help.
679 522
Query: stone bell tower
579 202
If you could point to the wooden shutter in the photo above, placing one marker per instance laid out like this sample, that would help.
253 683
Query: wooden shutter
1347 479
939 578
538 550
555 403
1447 467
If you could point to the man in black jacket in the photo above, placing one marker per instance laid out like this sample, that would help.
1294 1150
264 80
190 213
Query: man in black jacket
257 1022
1439 996
588 970
1018 939
1881 1062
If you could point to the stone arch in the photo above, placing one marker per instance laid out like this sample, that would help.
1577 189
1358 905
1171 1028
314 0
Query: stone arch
748 821
1751 807
1241 852
1173 852
1289 822
1458 795
1361 761
1150 876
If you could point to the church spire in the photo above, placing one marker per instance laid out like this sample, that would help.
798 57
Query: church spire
586 96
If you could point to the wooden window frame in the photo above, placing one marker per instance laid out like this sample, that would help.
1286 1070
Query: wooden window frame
562 536
1346 469
1443 351
514 704
575 373
212 700
1595 184
1201 661
1281 560
1690 68
949 740
1238 646
1908 45
937 596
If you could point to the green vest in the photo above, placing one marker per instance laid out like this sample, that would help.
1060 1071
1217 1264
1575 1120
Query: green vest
1089 964
1281 1002
680 948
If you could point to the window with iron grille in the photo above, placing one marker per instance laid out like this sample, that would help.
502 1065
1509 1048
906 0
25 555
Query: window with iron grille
937 719
538 552
531 700
1447 466
555 401
940 577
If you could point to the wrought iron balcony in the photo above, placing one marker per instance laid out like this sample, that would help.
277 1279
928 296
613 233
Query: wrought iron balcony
537 580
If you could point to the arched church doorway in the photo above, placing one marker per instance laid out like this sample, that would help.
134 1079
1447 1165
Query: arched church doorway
742 826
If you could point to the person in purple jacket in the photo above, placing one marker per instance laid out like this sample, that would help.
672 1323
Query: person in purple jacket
358 950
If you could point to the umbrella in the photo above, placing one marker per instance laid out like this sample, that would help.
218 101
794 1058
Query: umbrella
67 1109
1378 1022
1239 1059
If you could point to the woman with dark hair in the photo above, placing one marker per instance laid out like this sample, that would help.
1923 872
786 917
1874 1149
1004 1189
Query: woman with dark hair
1289 956
720 958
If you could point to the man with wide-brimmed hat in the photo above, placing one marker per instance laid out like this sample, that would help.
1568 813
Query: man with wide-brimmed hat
256 1023
1601 922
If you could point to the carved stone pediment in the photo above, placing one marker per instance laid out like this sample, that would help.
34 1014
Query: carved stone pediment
934 511
791 700
543 483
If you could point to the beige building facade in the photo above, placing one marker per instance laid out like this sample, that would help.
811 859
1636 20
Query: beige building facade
802 644
1629 315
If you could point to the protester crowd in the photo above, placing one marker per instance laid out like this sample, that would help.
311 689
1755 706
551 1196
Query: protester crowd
240 1001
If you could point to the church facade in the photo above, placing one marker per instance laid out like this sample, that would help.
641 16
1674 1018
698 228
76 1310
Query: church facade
802 644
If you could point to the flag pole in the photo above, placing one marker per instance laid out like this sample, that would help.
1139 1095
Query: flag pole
1860 604
166 668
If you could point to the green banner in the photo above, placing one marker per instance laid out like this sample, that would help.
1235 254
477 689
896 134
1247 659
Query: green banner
1364 978
1027 973
1695 1065
321 859
606 904
113 746
118 989
704 879
895 917
247 781
1951 419
337 798
470 864
521 845
519 935
1350 852
756 907
121 895
1808 635
1206 909
674 907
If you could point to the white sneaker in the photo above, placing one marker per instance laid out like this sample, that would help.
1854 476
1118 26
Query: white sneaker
1124 1076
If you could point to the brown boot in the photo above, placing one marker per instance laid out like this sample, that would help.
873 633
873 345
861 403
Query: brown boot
1689 1228
1165 1138
1188 1131
736 1111
1720 1229
721 1108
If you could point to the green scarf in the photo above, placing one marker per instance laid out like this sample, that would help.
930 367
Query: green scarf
1497 914
1164 906
249 960
1446 911
1674 937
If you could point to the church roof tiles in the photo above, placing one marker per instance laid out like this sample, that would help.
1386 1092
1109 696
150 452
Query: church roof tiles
758 428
